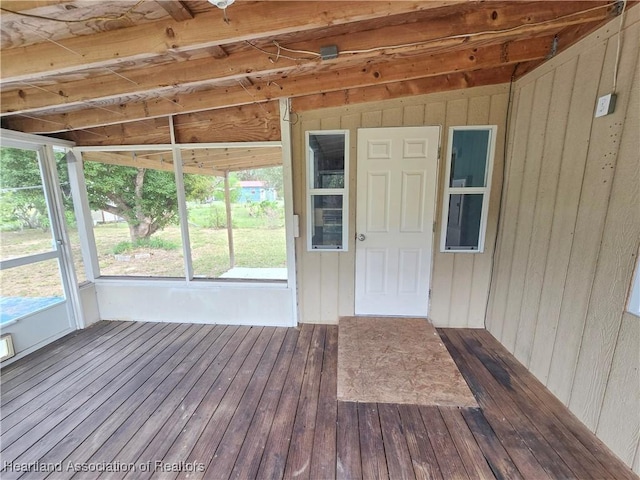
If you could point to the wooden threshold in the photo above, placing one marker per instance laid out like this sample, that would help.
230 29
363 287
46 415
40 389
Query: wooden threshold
260 402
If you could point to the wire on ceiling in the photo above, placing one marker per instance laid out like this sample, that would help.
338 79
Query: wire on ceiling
82 20
275 56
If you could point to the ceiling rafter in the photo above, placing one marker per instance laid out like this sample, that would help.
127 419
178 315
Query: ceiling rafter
221 81
209 164
177 9
373 73
206 30
196 73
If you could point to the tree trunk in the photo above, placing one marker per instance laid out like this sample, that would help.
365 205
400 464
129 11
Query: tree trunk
143 227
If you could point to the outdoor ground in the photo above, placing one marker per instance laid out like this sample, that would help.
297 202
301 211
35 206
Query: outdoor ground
259 241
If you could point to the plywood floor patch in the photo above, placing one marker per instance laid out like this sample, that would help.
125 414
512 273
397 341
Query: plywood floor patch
397 360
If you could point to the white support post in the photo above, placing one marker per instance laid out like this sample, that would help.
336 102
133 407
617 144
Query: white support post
183 213
285 137
83 215
58 226
227 204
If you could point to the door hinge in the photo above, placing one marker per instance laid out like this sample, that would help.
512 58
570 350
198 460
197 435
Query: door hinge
433 227
439 148
429 294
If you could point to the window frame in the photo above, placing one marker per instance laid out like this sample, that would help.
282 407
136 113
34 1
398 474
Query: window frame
314 191
484 191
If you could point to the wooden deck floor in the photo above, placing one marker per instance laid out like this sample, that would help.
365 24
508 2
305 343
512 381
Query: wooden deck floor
247 402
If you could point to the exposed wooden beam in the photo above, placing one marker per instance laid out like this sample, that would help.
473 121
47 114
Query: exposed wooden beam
22 5
206 30
218 52
402 69
177 9
195 73
420 86
213 166
196 156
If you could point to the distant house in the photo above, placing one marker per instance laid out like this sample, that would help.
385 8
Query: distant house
255 191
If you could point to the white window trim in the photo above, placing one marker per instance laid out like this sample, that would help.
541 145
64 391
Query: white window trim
485 191
344 192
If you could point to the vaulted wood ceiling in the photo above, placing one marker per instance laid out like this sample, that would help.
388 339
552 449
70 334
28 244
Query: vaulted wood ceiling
113 72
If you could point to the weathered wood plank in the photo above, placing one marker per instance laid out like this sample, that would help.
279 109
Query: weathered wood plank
298 458
445 450
248 459
153 39
223 458
52 361
102 423
423 458
143 424
586 447
374 462
497 457
538 431
274 456
239 399
323 457
205 394
211 417
52 353
38 441
470 454
34 408
348 464
514 441
69 367
395 445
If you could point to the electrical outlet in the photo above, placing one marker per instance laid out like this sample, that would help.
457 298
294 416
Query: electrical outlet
606 105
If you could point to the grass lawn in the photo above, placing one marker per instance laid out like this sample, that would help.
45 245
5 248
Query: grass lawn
258 242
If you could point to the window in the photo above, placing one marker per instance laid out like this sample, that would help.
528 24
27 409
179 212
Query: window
466 195
327 189
135 214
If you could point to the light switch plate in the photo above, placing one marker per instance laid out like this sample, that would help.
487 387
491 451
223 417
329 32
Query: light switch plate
606 105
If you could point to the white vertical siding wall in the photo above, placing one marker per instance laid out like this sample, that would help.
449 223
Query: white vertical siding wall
460 281
569 234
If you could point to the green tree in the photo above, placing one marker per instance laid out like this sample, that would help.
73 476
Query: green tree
145 198
21 192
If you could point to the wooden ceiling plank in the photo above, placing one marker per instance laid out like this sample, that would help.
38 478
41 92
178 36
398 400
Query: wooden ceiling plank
355 77
200 72
197 155
24 5
112 158
177 9
206 30
420 86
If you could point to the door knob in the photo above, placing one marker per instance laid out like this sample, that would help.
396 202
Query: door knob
361 237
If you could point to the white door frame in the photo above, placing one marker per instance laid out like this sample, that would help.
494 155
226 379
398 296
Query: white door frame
53 196
379 260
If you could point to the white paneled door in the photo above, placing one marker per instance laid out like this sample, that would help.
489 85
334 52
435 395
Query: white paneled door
396 192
